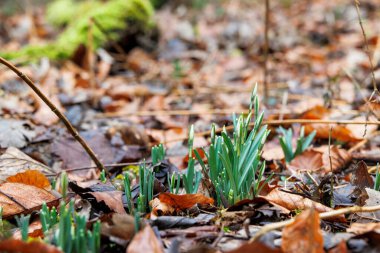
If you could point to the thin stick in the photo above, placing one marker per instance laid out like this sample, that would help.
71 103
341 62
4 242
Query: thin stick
366 48
266 51
57 112
326 215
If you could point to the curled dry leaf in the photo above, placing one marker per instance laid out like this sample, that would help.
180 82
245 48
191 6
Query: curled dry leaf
14 161
304 234
31 177
113 200
18 246
168 203
360 177
145 241
16 198
297 202
123 226
362 228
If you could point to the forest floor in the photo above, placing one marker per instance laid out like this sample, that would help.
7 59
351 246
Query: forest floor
198 67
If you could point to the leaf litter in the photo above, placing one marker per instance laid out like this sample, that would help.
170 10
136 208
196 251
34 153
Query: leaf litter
199 69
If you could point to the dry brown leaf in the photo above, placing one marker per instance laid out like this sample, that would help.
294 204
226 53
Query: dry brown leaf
304 234
15 133
255 247
338 132
296 202
340 158
28 198
317 112
113 200
14 161
362 228
310 160
123 226
31 177
168 203
145 241
360 176
18 246
340 248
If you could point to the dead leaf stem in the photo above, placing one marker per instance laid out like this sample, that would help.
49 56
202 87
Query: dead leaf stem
57 112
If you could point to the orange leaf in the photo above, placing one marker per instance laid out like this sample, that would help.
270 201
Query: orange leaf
317 112
168 203
18 246
341 133
184 201
304 234
145 241
340 158
31 177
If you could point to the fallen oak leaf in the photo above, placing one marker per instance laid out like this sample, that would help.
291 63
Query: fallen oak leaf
16 198
184 201
310 160
145 241
18 246
297 202
123 226
113 200
304 234
168 203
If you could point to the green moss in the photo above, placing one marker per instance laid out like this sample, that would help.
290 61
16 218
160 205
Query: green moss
112 16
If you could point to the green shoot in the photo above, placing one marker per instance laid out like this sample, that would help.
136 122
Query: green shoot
103 177
158 154
377 179
146 180
23 224
234 165
48 218
286 142
64 184
69 230
174 182
192 178
128 194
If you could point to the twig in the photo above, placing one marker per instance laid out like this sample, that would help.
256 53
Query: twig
266 51
109 165
326 215
366 48
57 112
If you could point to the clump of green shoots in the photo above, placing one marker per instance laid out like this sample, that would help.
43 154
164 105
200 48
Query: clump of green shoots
286 142
69 230
174 182
158 154
234 164
146 180
23 224
192 178
64 184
